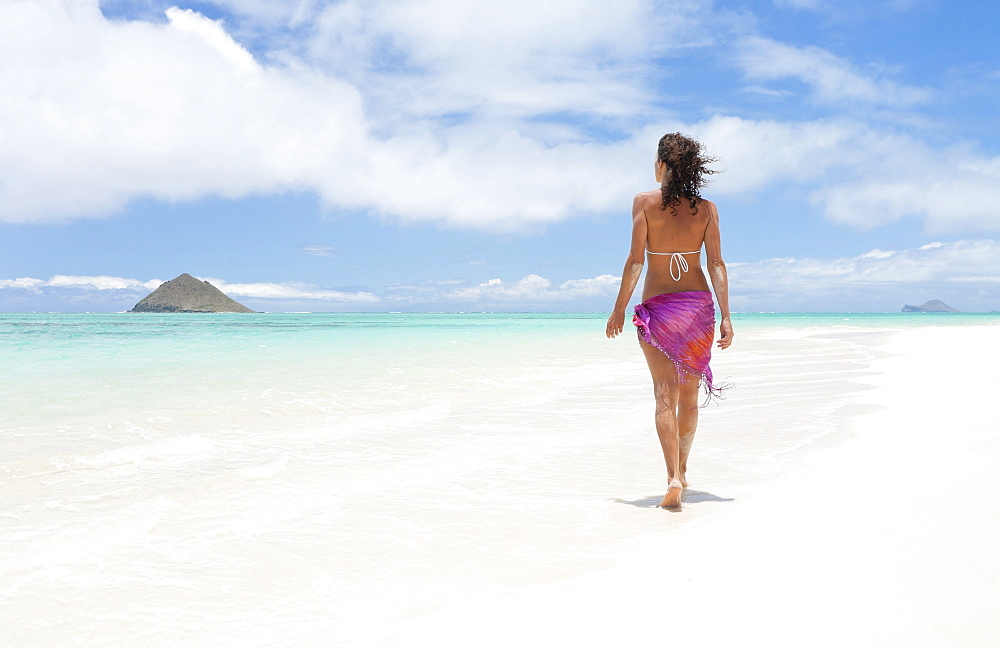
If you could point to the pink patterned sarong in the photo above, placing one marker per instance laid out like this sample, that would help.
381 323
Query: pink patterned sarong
682 326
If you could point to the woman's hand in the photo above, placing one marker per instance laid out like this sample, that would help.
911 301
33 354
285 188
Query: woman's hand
616 322
726 333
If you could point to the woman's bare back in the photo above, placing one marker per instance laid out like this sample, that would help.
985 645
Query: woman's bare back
681 229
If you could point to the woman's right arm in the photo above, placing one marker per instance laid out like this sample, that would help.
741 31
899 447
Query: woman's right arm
632 270
717 274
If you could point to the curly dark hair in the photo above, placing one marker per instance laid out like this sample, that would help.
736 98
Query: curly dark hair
686 168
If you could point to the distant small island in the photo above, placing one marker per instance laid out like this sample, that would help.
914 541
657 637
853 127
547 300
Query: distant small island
933 306
185 294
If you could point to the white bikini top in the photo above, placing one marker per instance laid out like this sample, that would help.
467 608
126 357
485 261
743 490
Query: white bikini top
678 264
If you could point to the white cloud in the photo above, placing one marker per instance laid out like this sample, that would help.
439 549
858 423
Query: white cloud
292 291
97 113
81 283
101 283
861 177
534 288
513 58
100 112
23 283
265 291
456 129
833 79
429 287
215 37
975 260
756 154
966 274
951 193
320 250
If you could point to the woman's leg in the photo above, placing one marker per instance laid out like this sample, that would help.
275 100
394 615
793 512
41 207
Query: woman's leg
666 391
687 421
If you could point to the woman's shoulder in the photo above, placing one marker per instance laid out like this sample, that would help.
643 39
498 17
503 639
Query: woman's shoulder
646 198
653 194
709 206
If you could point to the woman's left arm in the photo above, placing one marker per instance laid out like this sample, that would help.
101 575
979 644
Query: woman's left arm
632 270
717 274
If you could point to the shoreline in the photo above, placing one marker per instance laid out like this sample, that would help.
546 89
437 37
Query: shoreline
865 546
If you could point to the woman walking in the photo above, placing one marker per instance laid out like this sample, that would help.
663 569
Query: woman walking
676 319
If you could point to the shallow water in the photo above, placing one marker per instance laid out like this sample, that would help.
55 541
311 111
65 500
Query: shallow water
316 480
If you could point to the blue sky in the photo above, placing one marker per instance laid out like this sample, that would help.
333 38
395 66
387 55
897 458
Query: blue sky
464 155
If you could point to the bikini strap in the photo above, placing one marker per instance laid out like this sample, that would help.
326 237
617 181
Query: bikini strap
678 264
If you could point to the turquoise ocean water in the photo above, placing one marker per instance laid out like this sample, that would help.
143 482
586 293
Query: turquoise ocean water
69 364
329 479
43 346
74 365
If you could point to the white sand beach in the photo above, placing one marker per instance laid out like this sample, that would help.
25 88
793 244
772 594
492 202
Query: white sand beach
495 494
888 535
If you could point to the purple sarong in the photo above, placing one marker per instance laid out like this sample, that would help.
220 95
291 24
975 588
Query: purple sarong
682 326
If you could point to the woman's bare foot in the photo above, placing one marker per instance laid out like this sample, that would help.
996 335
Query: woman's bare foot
672 500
